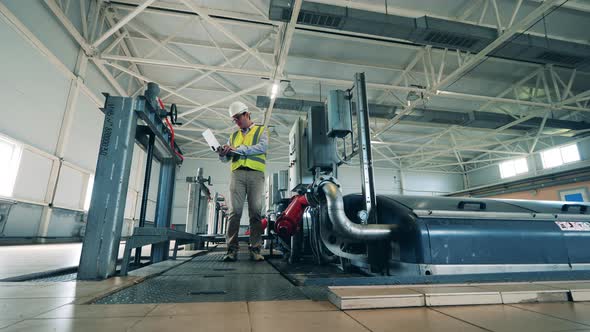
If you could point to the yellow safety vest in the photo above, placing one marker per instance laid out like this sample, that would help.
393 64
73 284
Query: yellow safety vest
256 162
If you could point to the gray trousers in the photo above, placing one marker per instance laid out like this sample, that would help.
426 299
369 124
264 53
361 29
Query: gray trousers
245 184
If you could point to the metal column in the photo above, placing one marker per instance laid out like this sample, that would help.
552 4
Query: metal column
164 207
107 208
194 202
365 155
146 190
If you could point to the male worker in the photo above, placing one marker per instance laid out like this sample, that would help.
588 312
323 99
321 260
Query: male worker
247 151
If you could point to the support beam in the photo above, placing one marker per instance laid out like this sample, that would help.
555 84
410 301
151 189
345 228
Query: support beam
187 58
107 74
539 131
339 82
204 14
121 23
177 9
417 57
282 55
68 25
474 60
84 18
523 24
229 97
180 65
145 79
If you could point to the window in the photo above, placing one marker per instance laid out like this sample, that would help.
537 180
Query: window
559 156
10 154
88 192
513 167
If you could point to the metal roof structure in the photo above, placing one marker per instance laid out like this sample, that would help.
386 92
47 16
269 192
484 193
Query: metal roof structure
441 103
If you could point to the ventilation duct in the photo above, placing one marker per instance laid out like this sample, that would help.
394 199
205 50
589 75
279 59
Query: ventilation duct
434 31
486 120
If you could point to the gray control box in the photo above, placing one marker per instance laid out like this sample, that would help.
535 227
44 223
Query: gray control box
339 114
320 147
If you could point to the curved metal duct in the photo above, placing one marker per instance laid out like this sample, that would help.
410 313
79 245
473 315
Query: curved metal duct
346 228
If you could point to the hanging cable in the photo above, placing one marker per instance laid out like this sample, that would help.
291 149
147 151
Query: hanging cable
171 131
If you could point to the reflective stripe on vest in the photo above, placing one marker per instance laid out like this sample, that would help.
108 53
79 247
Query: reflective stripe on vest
256 162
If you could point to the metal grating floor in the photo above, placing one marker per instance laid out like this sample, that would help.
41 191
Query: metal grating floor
211 264
206 279
57 278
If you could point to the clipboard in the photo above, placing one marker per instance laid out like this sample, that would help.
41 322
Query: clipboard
211 140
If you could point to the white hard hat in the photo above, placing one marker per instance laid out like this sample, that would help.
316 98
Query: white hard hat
237 107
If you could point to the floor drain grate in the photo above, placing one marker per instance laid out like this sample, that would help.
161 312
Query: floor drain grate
213 292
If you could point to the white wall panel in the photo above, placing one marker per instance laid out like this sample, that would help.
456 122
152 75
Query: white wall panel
130 204
33 177
96 81
431 184
70 188
86 130
32 90
41 21
387 182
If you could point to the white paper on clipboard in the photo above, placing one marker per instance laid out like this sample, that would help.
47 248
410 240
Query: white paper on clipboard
211 140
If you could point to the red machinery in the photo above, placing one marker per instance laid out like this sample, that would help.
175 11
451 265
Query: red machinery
289 222
264 223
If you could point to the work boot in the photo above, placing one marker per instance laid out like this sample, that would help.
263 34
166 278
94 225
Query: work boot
255 255
230 256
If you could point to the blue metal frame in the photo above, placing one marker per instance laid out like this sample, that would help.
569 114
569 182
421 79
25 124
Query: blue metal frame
107 207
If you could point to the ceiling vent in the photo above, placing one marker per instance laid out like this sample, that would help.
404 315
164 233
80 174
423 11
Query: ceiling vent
438 32
450 40
311 18
560 58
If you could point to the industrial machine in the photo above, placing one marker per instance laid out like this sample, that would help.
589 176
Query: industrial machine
143 120
412 235
217 215
199 196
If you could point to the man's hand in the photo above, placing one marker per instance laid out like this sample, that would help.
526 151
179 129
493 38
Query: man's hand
225 150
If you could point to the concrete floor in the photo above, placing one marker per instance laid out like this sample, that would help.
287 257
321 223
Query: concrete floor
60 306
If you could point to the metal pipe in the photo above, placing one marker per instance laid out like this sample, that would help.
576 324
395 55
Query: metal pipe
364 142
216 219
146 190
343 226
197 212
146 180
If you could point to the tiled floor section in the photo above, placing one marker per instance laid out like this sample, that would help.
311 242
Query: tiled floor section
58 306
54 314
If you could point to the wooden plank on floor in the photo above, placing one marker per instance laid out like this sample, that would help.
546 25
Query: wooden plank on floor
467 295
396 296
375 297
579 290
528 293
